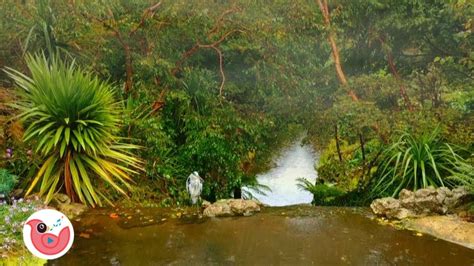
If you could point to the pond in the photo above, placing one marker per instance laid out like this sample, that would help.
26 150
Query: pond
291 235
296 235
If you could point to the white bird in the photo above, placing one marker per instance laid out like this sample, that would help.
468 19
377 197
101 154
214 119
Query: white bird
194 186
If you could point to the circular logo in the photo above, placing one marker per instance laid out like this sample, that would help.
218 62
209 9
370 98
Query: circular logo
48 234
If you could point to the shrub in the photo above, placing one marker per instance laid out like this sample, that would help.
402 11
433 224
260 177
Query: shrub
7 182
323 194
72 120
415 162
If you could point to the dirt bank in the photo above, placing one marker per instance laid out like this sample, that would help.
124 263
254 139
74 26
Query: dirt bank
449 228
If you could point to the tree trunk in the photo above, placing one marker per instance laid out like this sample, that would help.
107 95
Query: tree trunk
323 6
237 193
393 69
128 69
403 91
68 183
362 147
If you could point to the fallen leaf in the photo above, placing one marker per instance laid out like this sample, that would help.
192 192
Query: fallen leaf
114 215
85 235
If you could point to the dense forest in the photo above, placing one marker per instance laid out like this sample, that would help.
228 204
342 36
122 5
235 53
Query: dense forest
110 98
167 114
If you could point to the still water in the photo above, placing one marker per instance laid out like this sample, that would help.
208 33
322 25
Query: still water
291 235
296 235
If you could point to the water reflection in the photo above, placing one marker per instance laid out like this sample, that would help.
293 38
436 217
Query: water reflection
298 235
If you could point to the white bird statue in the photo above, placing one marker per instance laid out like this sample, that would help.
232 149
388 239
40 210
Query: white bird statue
194 186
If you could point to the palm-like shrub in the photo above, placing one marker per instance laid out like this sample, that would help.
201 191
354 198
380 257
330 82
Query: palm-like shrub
415 162
72 119
323 194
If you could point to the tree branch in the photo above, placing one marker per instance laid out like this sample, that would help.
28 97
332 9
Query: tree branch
214 45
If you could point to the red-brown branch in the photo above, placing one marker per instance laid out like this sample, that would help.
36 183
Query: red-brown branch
214 45
148 13
323 6
393 69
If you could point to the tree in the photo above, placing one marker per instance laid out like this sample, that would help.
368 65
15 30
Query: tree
323 6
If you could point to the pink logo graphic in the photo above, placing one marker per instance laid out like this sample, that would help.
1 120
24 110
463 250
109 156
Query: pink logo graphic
48 234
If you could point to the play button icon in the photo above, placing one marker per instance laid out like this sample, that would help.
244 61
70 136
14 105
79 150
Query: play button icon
50 240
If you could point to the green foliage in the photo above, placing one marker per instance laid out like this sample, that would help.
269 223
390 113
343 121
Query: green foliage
323 194
43 30
7 181
331 170
278 70
415 162
73 119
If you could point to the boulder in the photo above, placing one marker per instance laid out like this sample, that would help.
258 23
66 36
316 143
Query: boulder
59 199
442 193
205 204
460 196
427 204
72 210
425 192
407 199
232 207
384 205
426 201
400 214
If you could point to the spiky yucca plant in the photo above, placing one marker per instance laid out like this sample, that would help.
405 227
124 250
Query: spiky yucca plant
72 119
415 162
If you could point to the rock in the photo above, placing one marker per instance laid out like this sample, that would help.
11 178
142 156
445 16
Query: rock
406 194
407 199
390 208
72 210
218 209
426 201
442 193
425 192
460 195
232 207
427 204
205 204
384 205
60 198
400 214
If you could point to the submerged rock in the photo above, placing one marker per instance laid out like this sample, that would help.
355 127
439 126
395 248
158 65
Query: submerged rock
232 207
426 201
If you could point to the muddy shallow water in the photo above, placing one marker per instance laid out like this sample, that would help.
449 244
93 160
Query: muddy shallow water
298 235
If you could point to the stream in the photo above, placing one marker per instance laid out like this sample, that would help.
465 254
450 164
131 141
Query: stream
296 161
288 235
